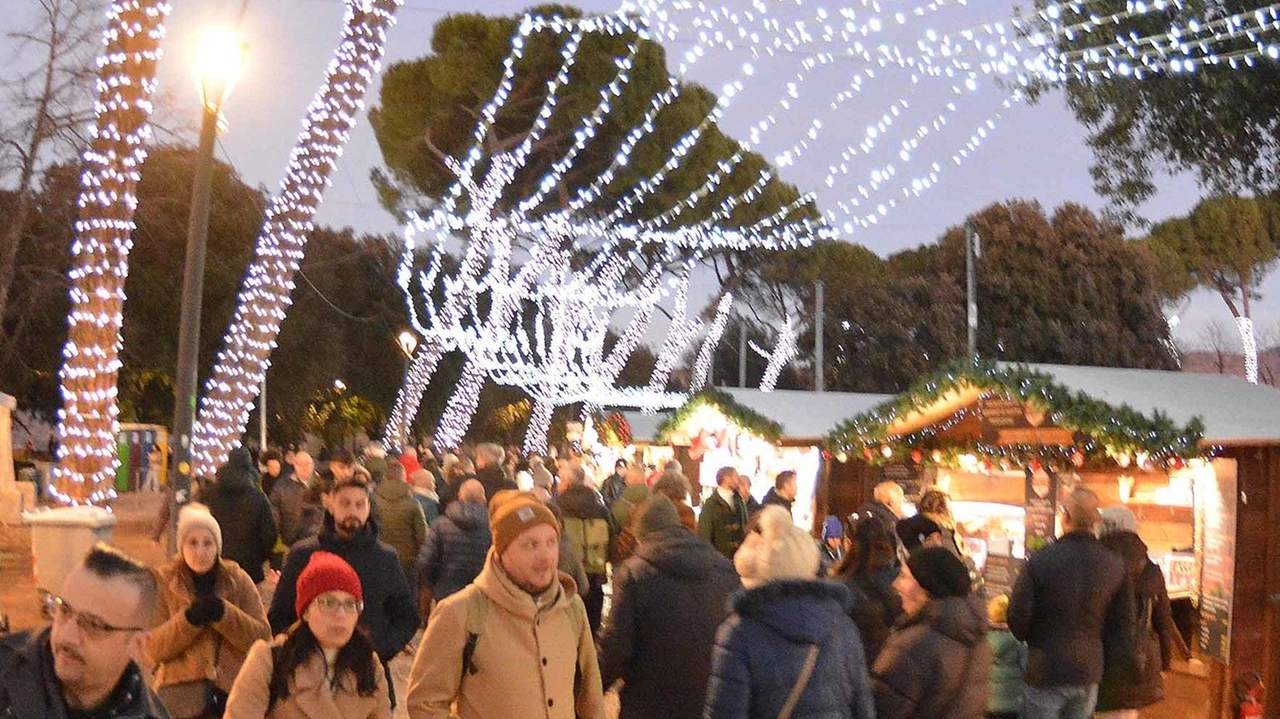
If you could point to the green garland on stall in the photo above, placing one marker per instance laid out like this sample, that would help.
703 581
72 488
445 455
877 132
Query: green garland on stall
1108 430
745 417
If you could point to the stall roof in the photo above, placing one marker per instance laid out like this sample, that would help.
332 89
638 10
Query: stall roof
1234 412
802 414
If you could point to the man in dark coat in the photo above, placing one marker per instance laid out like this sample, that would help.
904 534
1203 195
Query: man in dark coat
783 491
82 666
668 600
613 485
244 513
723 521
1071 597
390 609
295 501
489 469
456 544
887 508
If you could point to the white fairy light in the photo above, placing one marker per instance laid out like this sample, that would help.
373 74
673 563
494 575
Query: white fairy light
266 294
87 424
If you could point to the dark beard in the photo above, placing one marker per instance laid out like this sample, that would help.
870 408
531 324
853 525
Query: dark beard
349 528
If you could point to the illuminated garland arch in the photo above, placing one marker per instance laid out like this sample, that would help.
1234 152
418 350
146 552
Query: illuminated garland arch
746 418
88 424
1103 431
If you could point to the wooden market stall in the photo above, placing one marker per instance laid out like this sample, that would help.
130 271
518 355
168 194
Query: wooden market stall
1196 457
758 433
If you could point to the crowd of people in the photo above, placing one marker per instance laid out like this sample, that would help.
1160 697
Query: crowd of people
730 612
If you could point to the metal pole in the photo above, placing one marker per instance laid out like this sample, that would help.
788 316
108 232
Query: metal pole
184 411
819 341
971 254
742 353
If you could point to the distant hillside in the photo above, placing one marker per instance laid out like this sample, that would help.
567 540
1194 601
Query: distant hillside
1221 362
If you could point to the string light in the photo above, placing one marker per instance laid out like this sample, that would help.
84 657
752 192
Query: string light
267 292
88 424
783 352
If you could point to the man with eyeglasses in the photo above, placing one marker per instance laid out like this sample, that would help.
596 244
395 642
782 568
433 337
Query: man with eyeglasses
82 666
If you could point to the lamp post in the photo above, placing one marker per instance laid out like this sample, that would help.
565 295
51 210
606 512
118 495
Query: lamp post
408 342
218 61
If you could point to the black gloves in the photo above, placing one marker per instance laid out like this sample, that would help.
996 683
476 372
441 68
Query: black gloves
205 610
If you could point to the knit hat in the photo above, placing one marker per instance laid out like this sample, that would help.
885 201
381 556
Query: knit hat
779 550
511 512
939 572
194 515
325 572
832 528
1118 519
656 513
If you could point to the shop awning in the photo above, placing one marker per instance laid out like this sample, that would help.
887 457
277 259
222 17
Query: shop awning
1233 412
799 415
1092 411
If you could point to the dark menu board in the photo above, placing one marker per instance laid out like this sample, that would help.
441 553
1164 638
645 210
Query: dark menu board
999 574
1215 538
1042 508
911 477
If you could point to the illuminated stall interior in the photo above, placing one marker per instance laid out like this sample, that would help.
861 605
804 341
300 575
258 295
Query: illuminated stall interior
758 433
1193 456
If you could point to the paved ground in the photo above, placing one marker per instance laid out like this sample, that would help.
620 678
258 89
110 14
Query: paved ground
1186 695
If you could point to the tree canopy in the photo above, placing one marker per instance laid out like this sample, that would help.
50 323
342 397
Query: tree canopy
430 106
1220 122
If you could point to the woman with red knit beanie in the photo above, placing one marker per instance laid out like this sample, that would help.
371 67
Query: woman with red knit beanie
324 666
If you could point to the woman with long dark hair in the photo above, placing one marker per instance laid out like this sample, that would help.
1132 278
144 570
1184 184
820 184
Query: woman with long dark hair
868 568
324 666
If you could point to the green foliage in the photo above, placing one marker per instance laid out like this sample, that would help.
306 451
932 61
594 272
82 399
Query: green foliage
334 415
1219 122
1226 245
1102 429
745 417
1062 288
431 105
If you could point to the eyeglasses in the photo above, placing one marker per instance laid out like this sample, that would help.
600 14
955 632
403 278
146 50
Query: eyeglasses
333 605
94 627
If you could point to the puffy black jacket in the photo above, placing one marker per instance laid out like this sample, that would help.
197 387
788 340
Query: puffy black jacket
936 664
1069 596
390 609
494 480
1136 683
761 649
244 515
455 549
669 598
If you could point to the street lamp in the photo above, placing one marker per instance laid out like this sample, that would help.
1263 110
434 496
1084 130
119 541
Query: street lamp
219 58
408 342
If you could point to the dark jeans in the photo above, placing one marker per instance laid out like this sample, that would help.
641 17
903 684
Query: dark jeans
595 601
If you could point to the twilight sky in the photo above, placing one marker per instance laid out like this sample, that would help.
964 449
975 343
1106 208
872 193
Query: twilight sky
1035 152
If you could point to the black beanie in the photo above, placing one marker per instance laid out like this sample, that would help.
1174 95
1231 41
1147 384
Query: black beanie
939 572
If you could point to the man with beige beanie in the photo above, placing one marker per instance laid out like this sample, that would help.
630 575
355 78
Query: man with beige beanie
516 642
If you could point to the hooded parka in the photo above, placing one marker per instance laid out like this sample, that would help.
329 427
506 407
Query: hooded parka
525 657
761 649
403 525
669 599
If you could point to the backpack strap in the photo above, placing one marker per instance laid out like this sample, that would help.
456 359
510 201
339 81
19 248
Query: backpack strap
477 609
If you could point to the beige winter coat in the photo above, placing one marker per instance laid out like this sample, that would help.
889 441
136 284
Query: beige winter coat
184 652
524 661
309 695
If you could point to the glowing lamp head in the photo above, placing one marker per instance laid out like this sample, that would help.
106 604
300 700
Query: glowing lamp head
219 60
408 342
